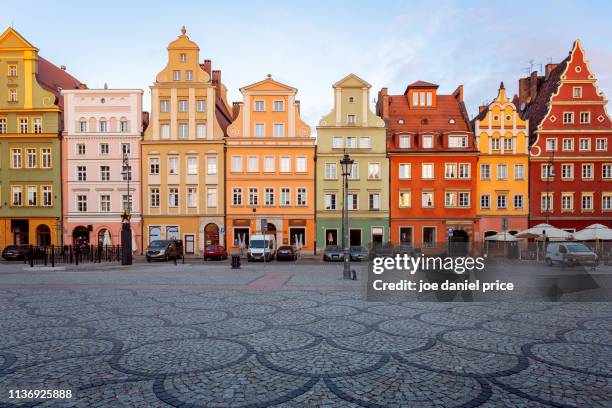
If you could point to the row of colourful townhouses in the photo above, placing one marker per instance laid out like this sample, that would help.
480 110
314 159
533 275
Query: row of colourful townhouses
205 171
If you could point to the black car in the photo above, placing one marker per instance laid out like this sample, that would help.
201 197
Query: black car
286 253
164 250
381 250
358 253
15 252
333 253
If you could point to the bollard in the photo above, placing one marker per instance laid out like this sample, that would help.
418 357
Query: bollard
235 261
174 259
31 256
52 256
353 274
45 250
70 254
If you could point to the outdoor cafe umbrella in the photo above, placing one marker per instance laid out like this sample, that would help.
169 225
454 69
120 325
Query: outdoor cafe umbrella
544 231
594 232
501 237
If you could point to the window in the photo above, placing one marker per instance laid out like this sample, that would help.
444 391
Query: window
103 126
587 202
606 201
12 70
351 142
457 141
464 170
165 131
105 173
585 117
567 171
104 149
23 125
567 202
427 142
404 142
568 117
338 142
236 165
12 95
330 171
260 130
201 105
300 164
81 173
373 171
601 145
31 158
105 203
450 199
374 201
285 164
32 196
173 197
427 199
519 171
16 193
485 171
37 125
80 149
585 144
495 144
201 131
237 196
252 164
16 158
404 170
364 142
285 198
351 99
587 171
351 119
46 196
211 197
546 204
176 75
126 174
268 196
45 154
330 201
427 171
211 167
502 201
126 148
354 173
173 165
279 106
154 197
551 145
183 131
189 75
182 105
253 196
502 171
154 165
518 201
429 236
464 199
577 92
2 126
123 126
485 201
568 145
269 164
81 203
450 170
279 129
192 165
507 143
404 199
352 202
192 197
164 106
301 198
182 57
260 106
606 171
547 171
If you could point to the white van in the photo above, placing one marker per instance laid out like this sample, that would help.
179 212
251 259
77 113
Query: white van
569 254
262 247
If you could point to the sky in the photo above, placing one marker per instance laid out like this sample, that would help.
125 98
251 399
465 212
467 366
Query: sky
312 44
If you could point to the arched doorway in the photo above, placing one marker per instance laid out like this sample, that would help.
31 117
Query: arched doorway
211 234
459 243
104 237
43 235
80 236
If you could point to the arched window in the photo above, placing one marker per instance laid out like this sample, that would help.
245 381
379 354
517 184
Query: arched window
43 235
83 125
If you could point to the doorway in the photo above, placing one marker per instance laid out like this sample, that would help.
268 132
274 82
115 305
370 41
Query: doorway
211 234
80 236
355 237
241 237
297 237
405 235
331 237
172 232
20 230
377 235
43 235
189 244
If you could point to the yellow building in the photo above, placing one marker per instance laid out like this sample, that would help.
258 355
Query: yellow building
503 179
182 151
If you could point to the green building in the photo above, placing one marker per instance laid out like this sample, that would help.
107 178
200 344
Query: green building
351 127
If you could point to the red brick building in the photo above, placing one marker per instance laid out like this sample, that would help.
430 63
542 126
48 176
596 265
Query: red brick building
570 166
432 155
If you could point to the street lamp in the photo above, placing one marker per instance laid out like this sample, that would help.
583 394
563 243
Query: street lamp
346 164
126 230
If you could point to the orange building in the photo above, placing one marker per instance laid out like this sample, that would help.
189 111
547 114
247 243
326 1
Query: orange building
270 169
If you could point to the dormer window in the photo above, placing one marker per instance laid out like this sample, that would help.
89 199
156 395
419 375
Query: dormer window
577 92
404 142
427 142
183 57
422 98
400 121
457 142
351 119
351 99
451 121
424 121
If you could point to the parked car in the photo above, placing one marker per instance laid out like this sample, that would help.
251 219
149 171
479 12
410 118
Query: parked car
358 253
286 253
15 252
570 254
164 250
333 253
381 250
215 252
262 247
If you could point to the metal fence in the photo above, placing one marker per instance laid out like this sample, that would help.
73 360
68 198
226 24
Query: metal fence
71 254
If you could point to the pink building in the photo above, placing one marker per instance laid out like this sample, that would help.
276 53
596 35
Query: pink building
100 125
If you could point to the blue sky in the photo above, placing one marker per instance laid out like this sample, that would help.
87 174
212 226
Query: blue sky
312 44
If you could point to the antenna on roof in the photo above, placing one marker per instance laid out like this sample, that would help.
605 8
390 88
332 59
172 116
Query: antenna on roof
105 85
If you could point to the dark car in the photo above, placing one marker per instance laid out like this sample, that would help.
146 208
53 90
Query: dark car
381 250
164 250
286 253
15 252
333 253
358 253
215 252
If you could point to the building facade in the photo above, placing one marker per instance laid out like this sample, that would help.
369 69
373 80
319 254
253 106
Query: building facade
351 127
183 151
570 161
30 124
503 162
432 166
101 126
270 169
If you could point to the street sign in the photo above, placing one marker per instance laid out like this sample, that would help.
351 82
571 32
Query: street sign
264 224
504 224
222 230
449 232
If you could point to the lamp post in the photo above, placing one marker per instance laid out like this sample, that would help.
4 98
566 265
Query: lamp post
126 230
346 164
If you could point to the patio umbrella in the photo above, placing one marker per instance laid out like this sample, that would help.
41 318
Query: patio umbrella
594 232
544 231
106 239
502 236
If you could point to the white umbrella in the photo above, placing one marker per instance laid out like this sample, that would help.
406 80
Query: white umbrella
544 231
594 232
502 236
106 239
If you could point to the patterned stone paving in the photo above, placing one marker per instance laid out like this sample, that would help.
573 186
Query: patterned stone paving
222 348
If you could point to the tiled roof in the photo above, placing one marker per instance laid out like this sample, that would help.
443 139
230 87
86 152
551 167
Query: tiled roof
55 79
447 108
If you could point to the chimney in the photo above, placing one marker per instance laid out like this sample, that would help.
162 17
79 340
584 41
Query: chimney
63 67
533 85
235 110
145 120
482 108
382 103
216 75
458 94
82 86
549 68
207 66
